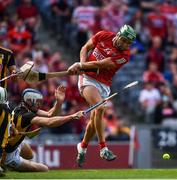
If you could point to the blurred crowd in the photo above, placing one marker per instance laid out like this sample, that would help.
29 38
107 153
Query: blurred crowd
72 23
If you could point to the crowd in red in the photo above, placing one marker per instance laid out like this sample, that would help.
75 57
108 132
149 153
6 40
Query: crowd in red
73 22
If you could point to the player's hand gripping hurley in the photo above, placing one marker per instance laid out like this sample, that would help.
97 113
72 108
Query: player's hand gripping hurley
134 83
30 76
24 71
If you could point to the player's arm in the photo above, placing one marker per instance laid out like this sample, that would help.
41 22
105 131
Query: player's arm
85 49
60 96
106 63
56 120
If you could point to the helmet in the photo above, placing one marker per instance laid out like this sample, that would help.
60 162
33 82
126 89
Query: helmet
31 96
128 32
3 95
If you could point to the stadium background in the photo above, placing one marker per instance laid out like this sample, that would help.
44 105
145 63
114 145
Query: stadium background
51 32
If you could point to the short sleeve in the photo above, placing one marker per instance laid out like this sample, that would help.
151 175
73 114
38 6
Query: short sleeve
99 36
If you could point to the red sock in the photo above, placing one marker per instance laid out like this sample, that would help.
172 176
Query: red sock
102 144
83 144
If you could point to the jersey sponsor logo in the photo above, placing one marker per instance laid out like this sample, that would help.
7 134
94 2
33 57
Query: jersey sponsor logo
120 61
97 54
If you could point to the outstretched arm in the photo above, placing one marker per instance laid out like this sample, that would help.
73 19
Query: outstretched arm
56 120
60 96
106 63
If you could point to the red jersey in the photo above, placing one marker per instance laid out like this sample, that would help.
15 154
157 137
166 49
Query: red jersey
104 48
157 25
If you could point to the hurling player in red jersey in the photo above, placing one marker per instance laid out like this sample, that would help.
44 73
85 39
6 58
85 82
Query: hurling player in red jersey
107 52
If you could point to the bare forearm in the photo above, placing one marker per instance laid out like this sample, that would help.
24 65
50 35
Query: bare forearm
85 49
104 64
83 54
59 120
52 121
54 111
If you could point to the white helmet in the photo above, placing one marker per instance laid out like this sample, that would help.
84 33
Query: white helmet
31 95
3 95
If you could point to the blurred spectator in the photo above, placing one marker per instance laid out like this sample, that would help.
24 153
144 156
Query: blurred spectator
171 65
3 7
115 127
55 61
4 33
26 10
72 92
169 9
19 37
165 112
157 24
166 93
153 75
171 71
149 98
138 22
173 55
155 54
113 15
84 19
40 64
60 16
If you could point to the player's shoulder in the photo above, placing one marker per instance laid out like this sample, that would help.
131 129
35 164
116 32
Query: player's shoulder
5 50
5 107
105 32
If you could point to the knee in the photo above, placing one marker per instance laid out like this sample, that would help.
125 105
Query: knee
44 168
38 167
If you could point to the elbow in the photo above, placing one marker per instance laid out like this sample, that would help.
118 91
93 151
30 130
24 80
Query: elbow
49 123
49 115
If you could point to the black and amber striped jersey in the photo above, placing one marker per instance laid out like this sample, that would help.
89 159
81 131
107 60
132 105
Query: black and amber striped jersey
22 120
5 118
6 60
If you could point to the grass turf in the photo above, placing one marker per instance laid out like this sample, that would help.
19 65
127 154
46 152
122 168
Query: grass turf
98 174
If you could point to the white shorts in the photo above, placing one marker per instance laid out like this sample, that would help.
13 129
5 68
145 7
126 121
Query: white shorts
84 80
13 159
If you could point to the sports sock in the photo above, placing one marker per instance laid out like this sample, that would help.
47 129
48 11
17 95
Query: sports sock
102 144
83 144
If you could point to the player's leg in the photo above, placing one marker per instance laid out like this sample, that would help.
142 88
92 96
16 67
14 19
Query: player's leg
26 151
90 129
82 147
16 163
93 98
31 166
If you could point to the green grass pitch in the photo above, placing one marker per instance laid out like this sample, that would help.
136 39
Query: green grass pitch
98 174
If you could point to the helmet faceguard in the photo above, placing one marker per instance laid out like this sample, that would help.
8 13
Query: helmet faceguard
32 97
127 32
3 95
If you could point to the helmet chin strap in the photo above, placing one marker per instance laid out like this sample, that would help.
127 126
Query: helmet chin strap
30 107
